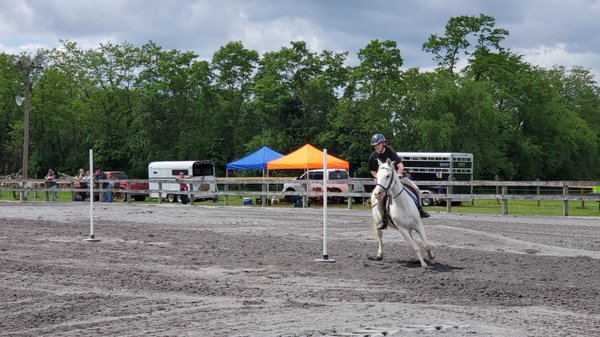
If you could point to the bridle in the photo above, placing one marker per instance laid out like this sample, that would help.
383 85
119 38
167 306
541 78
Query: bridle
392 180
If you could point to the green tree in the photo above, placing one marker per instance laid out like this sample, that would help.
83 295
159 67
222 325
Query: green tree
370 104
11 117
444 114
462 33
295 90
166 103
234 67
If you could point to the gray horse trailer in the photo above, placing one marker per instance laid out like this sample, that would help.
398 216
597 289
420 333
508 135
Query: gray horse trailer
441 166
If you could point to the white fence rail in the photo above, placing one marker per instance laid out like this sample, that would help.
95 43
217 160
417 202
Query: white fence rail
265 188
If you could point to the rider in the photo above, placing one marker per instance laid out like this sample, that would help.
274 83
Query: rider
383 152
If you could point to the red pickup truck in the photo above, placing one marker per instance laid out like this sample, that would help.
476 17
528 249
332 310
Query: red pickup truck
121 183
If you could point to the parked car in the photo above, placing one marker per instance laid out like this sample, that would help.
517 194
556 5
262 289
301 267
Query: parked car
121 183
333 184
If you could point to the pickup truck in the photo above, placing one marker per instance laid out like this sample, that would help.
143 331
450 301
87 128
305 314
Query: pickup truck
121 178
333 184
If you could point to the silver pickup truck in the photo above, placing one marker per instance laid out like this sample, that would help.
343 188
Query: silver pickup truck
338 180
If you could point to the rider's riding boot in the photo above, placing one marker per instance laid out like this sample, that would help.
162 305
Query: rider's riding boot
384 218
383 223
423 213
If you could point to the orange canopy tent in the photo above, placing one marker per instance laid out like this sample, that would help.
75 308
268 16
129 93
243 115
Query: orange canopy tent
306 157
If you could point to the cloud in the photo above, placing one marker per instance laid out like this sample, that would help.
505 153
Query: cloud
546 32
560 55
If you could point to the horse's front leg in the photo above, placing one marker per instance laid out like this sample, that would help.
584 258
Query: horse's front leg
377 218
428 247
378 233
406 234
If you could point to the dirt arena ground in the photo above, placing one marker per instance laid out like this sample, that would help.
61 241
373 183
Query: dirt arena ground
174 270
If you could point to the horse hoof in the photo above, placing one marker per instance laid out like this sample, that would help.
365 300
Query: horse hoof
374 258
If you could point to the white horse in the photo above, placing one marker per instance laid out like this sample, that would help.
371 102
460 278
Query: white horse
402 211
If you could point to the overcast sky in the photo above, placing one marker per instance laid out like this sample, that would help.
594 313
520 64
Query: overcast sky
546 32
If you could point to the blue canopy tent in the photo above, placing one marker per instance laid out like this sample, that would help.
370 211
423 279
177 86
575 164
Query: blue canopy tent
255 161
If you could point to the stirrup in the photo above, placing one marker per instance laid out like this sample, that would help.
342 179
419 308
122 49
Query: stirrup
423 213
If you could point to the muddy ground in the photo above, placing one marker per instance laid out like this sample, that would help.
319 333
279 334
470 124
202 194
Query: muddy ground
174 270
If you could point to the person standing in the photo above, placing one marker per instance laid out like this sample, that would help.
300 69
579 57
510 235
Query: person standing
383 152
112 183
50 179
183 186
82 179
101 175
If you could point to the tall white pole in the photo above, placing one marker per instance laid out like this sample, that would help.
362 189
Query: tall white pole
92 237
325 257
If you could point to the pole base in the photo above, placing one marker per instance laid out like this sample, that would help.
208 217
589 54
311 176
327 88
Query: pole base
92 238
325 258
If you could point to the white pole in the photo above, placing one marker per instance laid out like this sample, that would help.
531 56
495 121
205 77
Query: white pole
325 257
92 237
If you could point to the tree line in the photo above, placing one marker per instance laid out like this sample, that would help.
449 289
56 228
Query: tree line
137 104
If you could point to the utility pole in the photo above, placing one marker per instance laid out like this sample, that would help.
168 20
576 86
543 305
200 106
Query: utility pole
26 65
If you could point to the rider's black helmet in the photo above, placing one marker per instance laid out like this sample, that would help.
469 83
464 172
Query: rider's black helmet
377 138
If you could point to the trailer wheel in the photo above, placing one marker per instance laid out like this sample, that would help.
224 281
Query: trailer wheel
292 198
424 200
171 198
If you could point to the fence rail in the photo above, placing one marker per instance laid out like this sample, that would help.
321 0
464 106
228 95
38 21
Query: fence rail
264 188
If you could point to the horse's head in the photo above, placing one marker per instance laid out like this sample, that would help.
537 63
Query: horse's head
385 178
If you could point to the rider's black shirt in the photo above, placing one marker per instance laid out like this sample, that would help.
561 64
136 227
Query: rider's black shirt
388 153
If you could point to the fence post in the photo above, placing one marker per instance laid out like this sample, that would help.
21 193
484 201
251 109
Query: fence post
504 200
263 196
23 192
100 191
159 192
350 190
538 192
190 196
449 190
565 201
496 178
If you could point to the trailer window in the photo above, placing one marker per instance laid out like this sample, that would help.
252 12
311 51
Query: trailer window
176 172
200 170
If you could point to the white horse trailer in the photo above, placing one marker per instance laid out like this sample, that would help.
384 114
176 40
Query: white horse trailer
441 166
200 176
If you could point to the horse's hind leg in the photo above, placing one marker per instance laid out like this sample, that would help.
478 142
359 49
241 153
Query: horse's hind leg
413 244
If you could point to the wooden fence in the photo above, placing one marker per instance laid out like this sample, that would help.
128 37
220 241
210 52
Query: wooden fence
264 188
